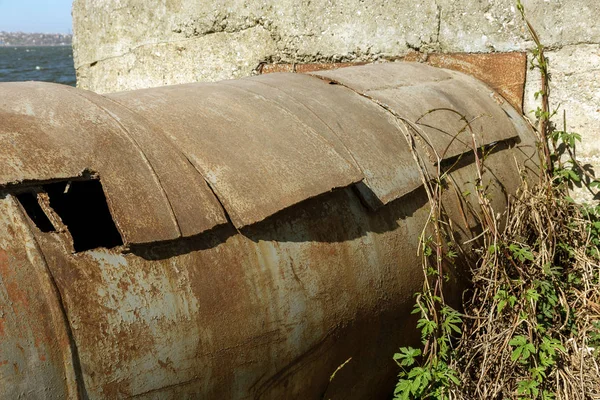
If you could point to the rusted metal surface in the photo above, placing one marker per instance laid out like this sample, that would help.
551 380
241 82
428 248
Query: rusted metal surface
36 361
254 315
369 136
503 72
266 306
194 205
446 106
305 68
257 157
51 132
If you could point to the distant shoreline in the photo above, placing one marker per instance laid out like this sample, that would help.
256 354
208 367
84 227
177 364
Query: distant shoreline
22 39
37 45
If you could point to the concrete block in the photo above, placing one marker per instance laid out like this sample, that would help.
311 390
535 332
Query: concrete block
113 38
496 25
575 88
215 57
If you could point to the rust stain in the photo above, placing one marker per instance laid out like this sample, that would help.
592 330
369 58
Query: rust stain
503 72
21 349
31 335
4 266
16 294
305 68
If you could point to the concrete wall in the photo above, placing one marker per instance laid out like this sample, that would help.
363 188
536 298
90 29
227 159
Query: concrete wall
130 44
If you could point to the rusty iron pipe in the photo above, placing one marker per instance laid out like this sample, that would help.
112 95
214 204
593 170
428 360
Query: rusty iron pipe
239 239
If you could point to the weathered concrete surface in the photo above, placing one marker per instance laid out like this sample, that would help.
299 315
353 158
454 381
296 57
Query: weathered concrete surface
575 88
127 44
496 25
228 39
222 55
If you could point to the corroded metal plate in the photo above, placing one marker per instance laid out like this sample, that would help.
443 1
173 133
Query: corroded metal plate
368 135
44 142
257 156
451 112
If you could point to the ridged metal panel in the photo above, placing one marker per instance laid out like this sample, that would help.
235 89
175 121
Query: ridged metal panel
193 204
448 108
257 157
363 131
51 132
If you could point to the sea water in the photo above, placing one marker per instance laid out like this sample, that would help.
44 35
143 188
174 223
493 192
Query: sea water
49 64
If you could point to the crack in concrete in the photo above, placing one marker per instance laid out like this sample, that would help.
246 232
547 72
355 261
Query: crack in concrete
147 44
433 44
439 23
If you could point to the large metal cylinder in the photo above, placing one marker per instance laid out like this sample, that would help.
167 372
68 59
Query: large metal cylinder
230 240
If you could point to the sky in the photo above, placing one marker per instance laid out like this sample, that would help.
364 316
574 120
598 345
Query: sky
43 16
